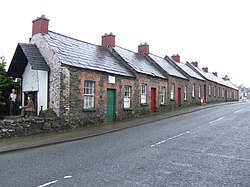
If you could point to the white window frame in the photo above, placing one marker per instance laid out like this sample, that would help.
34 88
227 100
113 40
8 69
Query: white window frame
193 90
143 93
127 96
199 91
209 89
185 93
163 95
89 94
172 93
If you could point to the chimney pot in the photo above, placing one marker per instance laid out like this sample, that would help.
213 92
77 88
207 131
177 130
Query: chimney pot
108 40
40 25
176 58
195 64
143 48
215 73
205 69
226 78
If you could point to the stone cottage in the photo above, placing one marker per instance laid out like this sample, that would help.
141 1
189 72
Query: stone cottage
88 83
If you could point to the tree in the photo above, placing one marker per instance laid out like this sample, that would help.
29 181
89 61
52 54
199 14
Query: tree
6 84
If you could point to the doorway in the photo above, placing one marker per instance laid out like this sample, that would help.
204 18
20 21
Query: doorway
205 94
34 98
153 99
179 97
111 105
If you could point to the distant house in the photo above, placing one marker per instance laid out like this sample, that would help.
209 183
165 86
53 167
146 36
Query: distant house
88 83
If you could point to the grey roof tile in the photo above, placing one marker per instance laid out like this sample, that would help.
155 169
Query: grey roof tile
168 67
189 71
211 77
34 57
26 53
138 62
85 55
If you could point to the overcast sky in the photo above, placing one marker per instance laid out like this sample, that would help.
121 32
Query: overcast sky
216 33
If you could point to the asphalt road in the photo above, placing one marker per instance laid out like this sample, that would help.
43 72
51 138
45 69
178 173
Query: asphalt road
210 147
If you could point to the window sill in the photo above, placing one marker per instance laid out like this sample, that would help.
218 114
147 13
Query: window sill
127 109
144 104
89 110
163 104
172 99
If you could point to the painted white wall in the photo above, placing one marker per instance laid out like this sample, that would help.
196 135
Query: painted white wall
30 79
36 81
42 95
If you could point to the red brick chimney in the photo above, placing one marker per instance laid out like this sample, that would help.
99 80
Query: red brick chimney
108 40
205 69
176 58
40 25
143 48
215 73
195 64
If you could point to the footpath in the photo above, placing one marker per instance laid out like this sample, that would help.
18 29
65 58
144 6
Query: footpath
45 139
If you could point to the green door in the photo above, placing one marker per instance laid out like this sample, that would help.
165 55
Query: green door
111 106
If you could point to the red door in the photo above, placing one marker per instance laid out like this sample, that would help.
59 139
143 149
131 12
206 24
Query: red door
205 94
153 96
179 97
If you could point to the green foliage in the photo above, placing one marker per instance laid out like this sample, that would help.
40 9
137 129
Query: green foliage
6 84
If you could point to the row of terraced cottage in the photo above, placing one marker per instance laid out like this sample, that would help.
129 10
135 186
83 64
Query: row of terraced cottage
81 81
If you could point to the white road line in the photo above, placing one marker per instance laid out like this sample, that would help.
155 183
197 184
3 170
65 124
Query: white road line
48 183
217 120
237 111
171 138
67 177
163 141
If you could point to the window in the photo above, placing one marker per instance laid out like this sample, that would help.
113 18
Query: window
193 90
163 95
127 94
199 91
172 91
209 90
185 93
218 92
89 90
143 94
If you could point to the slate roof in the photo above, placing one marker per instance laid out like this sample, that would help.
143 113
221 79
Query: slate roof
80 54
138 62
26 53
211 77
189 71
167 66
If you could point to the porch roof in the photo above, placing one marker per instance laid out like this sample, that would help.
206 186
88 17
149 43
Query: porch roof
26 53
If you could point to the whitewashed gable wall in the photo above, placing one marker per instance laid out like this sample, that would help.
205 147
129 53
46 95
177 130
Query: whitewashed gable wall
30 79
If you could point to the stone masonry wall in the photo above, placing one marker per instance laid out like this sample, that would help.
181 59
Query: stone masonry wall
79 116
30 126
